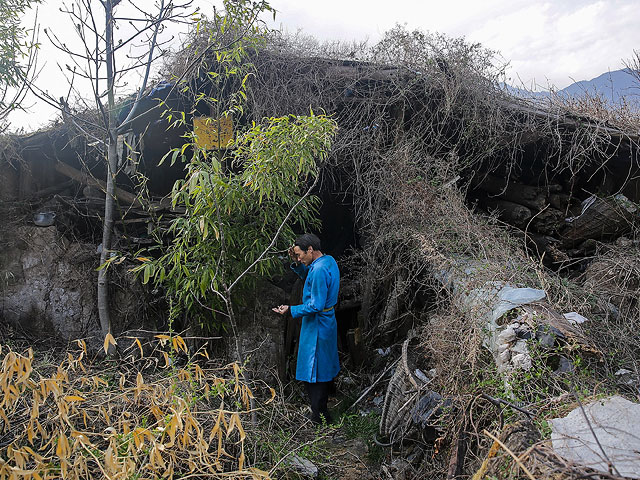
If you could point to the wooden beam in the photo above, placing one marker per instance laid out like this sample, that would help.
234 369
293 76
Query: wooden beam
87 179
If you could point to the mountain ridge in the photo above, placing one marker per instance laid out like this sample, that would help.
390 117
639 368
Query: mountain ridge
613 86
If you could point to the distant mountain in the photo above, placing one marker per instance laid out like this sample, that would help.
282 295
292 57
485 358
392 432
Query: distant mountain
612 86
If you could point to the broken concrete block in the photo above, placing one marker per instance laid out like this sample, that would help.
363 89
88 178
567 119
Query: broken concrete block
615 422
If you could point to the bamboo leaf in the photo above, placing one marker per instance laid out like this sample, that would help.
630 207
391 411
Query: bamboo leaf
273 396
137 342
62 447
108 342
74 398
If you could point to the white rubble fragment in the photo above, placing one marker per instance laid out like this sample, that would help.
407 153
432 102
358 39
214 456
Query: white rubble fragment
520 347
504 357
521 361
615 422
575 318
626 377
508 335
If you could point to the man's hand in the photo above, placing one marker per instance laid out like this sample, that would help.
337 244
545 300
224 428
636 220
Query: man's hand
282 309
292 255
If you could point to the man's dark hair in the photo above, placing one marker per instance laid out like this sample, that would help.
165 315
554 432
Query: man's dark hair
308 240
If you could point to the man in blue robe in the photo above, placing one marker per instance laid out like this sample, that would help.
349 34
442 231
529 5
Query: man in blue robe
318 362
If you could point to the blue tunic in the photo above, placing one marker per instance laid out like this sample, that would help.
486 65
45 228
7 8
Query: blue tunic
318 348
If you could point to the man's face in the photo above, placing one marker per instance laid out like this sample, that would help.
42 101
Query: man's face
304 257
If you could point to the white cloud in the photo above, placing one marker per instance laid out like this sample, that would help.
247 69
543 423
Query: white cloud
544 41
558 41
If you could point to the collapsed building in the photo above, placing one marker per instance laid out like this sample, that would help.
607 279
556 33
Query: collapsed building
441 188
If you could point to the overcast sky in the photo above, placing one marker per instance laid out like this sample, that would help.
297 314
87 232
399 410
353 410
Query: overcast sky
556 42
546 42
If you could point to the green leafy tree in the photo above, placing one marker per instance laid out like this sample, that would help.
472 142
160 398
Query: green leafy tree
104 60
17 54
240 208
240 200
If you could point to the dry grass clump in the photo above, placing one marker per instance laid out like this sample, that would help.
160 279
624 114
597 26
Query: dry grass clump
427 243
612 284
77 419
624 115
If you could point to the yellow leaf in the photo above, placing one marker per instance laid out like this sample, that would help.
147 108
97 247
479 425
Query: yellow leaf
110 460
156 457
236 371
166 359
257 474
241 430
179 344
273 396
35 456
74 398
7 424
139 385
241 460
30 433
108 341
143 259
62 448
137 341
233 422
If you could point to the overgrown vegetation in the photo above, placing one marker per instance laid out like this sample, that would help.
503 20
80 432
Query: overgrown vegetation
422 120
82 419
419 127
239 209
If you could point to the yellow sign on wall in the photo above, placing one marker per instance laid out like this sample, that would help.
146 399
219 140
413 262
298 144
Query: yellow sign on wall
213 134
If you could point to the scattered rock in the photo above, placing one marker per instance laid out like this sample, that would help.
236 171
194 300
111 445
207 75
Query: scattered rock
302 466
626 377
548 335
400 469
564 365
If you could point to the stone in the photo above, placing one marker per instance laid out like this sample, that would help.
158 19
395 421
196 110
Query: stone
564 365
521 361
303 467
547 335
508 335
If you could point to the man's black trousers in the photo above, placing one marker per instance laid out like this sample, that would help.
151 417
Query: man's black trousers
318 395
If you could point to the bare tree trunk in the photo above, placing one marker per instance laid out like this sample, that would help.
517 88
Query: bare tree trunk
112 165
